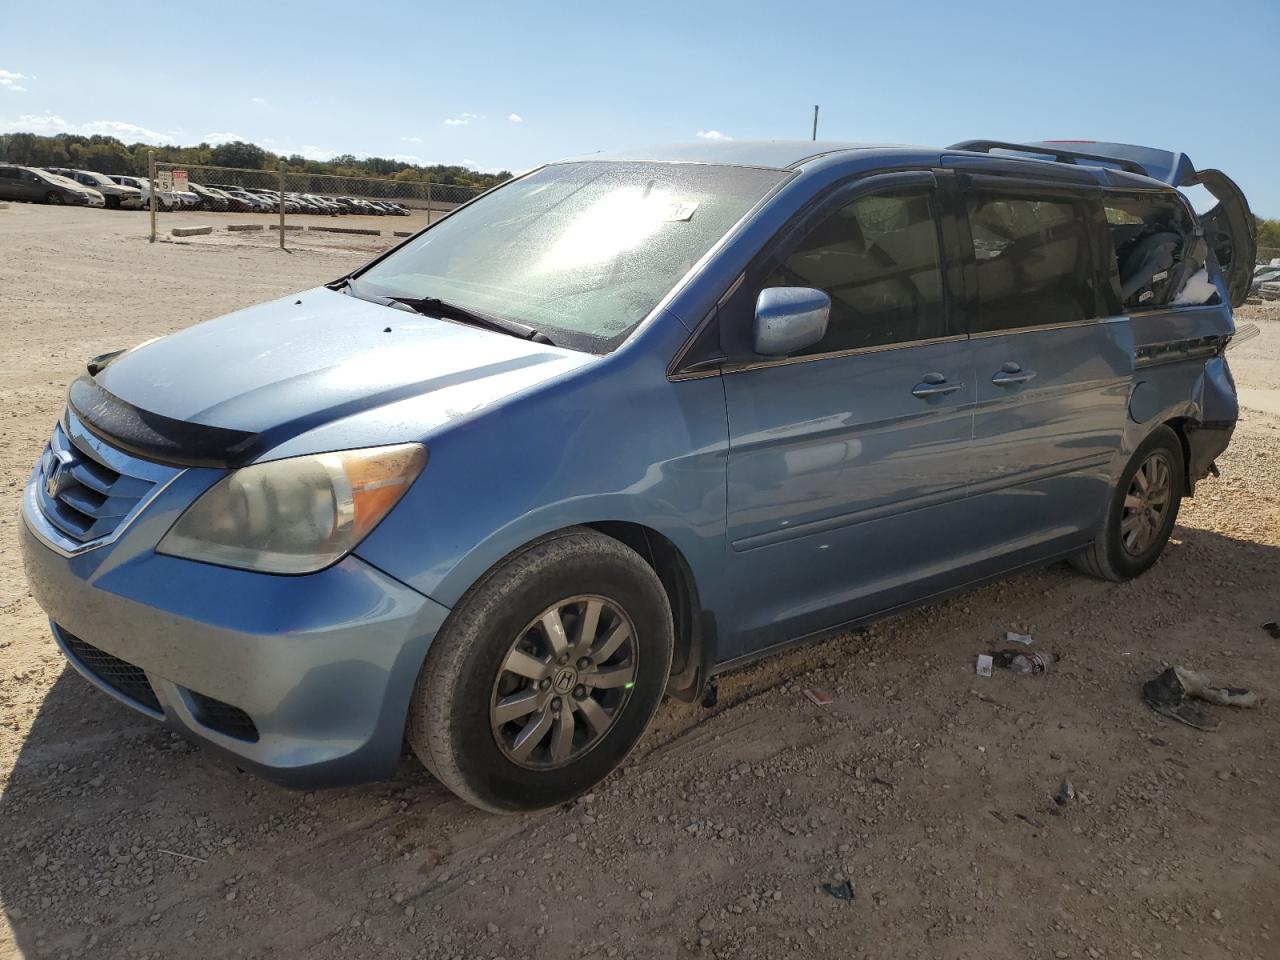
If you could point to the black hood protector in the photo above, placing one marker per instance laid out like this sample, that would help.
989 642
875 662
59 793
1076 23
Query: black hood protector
152 436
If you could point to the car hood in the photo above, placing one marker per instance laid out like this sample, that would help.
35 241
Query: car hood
283 368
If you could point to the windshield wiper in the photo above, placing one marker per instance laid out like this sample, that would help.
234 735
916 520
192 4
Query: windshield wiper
434 306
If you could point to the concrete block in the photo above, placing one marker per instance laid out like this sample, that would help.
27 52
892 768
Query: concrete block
244 227
360 230
190 231
403 233
287 226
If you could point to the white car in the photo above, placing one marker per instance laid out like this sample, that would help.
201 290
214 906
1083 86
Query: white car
165 199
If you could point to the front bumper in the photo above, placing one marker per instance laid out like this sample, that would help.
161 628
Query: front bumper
322 666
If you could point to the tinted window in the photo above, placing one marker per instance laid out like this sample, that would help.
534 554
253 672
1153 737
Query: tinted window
878 260
8 173
1033 261
1156 260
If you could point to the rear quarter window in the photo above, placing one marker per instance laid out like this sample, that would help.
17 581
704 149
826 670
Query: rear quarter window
1159 258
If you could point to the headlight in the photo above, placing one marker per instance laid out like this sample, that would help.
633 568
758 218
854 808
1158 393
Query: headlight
297 515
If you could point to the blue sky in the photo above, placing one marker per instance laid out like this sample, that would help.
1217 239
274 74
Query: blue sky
504 85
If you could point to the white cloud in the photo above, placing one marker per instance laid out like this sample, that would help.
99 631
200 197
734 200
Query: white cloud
411 139
407 158
217 138
516 118
713 135
128 132
50 124
461 120
257 100
312 153
9 80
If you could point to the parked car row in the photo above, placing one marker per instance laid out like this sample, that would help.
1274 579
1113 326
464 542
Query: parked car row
64 185
294 202
1266 281
41 186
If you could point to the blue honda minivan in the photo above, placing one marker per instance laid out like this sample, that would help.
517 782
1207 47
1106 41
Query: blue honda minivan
626 422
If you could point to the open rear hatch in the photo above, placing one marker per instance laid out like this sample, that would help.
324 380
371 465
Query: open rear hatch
1229 227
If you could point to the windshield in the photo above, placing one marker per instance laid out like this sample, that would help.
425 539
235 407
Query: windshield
98 178
581 252
58 179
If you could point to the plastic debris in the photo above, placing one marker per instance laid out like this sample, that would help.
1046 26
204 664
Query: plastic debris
1066 793
1022 638
841 891
1022 661
1170 693
819 697
984 665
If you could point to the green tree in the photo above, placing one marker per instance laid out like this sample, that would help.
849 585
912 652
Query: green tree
238 154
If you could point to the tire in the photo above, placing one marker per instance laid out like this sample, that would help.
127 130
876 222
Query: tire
53 197
455 725
1123 547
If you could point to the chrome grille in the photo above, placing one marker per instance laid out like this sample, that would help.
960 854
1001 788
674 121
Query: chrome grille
80 494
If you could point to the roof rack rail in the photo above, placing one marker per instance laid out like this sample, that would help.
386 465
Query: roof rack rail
1061 156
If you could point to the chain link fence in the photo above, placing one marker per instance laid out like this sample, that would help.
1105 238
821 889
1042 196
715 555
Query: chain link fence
285 202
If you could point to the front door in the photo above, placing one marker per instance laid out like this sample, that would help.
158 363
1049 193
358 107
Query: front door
848 463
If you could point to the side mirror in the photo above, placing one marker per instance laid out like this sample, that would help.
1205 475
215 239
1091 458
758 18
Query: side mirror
789 319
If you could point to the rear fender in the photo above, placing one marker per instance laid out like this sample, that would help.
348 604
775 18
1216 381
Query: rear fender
1208 435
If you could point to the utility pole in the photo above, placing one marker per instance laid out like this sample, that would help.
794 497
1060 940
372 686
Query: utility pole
281 172
815 121
151 176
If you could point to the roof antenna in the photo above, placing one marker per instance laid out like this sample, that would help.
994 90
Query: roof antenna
815 121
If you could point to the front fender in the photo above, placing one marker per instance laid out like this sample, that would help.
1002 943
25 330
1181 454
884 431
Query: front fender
623 445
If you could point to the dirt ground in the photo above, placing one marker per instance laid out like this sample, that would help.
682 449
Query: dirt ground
927 787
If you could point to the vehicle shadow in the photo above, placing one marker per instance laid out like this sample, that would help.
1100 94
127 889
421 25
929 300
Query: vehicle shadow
119 837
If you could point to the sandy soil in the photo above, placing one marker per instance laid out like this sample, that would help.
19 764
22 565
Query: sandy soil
927 787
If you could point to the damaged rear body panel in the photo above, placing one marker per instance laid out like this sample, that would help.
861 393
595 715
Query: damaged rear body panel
1177 276
1181 375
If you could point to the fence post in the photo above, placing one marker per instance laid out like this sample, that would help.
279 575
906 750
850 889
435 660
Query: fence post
428 203
151 175
281 204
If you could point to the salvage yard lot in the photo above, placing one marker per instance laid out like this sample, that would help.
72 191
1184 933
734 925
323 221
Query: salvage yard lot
928 787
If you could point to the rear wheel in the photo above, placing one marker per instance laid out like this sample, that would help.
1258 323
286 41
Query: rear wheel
1143 509
53 197
546 674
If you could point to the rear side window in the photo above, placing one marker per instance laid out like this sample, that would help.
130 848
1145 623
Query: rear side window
1157 256
1034 263
877 258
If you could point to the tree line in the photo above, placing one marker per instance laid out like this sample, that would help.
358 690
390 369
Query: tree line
109 155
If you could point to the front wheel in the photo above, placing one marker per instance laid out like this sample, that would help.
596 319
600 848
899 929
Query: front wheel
1143 509
545 675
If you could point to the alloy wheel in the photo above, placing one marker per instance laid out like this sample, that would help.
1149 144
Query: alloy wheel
563 682
1146 503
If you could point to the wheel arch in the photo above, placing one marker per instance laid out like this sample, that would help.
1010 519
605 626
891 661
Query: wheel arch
694 626
1180 427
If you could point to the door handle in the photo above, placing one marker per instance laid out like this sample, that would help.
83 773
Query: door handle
934 385
1011 374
